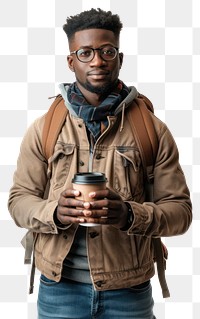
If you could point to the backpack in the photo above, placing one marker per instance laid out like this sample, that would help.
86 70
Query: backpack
143 129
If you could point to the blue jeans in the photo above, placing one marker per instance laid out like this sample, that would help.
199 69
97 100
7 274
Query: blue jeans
73 300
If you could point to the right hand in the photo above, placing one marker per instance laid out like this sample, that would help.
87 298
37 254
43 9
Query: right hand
70 209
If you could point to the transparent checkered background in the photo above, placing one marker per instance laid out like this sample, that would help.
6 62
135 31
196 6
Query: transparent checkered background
161 43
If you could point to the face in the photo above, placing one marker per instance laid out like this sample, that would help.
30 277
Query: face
97 76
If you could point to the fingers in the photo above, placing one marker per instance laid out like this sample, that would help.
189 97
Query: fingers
70 215
70 209
105 207
105 193
68 193
95 213
68 198
105 203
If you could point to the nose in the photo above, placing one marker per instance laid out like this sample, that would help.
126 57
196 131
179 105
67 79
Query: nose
97 60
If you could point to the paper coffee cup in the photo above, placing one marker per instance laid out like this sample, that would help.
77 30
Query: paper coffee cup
88 182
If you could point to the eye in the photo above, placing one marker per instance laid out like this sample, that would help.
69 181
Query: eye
108 51
84 52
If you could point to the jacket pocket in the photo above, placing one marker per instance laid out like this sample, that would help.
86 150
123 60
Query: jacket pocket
41 242
60 163
127 173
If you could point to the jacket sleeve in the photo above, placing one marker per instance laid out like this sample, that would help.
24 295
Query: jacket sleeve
26 204
170 213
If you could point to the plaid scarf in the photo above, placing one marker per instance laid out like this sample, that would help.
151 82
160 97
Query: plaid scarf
93 116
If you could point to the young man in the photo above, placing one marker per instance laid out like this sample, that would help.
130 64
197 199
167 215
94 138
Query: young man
102 271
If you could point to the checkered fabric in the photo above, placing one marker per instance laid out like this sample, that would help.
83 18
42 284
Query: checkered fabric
161 43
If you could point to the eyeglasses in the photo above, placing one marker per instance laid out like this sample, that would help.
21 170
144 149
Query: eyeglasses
107 53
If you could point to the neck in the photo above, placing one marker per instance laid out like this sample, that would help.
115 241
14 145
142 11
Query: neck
93 98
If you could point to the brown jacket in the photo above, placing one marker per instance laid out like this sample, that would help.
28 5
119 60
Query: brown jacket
117 259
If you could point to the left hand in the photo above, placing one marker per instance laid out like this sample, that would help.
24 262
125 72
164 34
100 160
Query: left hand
107 209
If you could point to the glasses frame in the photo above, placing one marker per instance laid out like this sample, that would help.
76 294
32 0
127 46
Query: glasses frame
96 49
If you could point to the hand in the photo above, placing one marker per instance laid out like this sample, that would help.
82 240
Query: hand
107 209
69 209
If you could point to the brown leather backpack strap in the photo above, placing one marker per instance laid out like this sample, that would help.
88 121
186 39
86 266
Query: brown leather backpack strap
143 102
144 131
147 102
143 128
161 266
54 120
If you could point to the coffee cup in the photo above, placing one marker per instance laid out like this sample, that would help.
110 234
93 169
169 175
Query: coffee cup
88 182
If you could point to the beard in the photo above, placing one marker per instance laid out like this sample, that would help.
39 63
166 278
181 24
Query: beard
102 90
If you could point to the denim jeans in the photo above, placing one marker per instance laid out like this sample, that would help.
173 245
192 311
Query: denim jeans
72 300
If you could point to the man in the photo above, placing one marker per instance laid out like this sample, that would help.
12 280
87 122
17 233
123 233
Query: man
103 271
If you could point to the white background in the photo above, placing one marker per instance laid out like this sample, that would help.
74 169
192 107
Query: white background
161 44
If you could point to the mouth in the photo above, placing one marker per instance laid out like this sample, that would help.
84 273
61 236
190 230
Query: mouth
98 75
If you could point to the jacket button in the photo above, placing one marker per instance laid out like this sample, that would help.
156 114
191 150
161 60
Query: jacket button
81 163
99 283
93 234
144 218
98 156
61 156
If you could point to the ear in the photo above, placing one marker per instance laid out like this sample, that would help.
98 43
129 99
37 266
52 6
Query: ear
121 57
70 62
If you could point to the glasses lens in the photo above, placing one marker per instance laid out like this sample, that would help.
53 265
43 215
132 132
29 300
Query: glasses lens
108 53
85 55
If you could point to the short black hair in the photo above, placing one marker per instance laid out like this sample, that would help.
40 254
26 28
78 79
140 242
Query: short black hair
93 19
